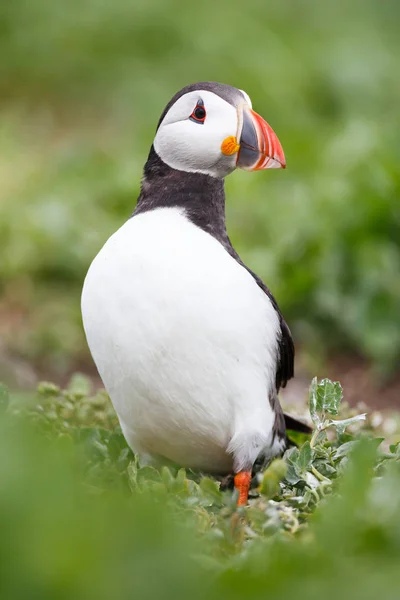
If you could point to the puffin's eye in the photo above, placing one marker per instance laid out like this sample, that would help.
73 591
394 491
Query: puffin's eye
199 113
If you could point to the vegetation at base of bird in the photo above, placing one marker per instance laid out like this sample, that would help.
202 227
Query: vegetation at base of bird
80 517
81 92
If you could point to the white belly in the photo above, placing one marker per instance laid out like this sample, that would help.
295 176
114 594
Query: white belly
184 340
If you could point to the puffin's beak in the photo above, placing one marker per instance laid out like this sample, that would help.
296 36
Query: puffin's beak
259 145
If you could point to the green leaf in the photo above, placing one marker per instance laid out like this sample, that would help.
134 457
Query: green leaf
181 477
167 476
148 473
305 457
376 441
116 444
345 449
313 402
211 491
292 456
272 476
329 396
291 476
342 424
132 471
324 397
324 468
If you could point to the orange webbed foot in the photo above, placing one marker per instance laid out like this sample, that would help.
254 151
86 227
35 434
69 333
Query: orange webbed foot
242 482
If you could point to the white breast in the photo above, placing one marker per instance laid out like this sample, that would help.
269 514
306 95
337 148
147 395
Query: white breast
184 340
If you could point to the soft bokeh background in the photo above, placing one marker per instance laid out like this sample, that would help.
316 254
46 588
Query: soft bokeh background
82 87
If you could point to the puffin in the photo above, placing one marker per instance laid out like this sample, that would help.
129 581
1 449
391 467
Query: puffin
190 344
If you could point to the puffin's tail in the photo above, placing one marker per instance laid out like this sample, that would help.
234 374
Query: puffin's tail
295 424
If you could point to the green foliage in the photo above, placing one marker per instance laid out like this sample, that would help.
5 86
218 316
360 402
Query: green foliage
324 399
82 88
80 518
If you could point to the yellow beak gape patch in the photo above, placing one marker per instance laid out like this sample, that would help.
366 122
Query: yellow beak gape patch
230 146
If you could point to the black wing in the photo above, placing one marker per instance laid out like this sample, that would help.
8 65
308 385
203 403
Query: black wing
295 424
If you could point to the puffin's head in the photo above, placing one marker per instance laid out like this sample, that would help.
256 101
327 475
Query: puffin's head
211 128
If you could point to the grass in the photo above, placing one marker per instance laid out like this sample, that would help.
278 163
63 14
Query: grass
82 89
80 518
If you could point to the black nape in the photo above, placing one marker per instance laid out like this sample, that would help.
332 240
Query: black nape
201 196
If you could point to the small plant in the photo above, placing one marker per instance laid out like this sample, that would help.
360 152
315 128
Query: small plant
324 400
317 461
286 492
93 499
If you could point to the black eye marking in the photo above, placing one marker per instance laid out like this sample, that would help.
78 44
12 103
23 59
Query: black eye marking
199 113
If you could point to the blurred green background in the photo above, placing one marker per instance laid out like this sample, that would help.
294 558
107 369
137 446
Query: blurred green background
82 87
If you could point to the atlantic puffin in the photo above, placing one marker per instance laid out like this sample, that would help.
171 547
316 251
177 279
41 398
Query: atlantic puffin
189 343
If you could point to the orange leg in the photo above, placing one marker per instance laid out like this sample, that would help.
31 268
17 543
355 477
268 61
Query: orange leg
242 484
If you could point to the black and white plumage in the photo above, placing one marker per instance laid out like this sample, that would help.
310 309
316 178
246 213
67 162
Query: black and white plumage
189 342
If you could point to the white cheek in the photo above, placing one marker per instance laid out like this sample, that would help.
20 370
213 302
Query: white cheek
194 147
